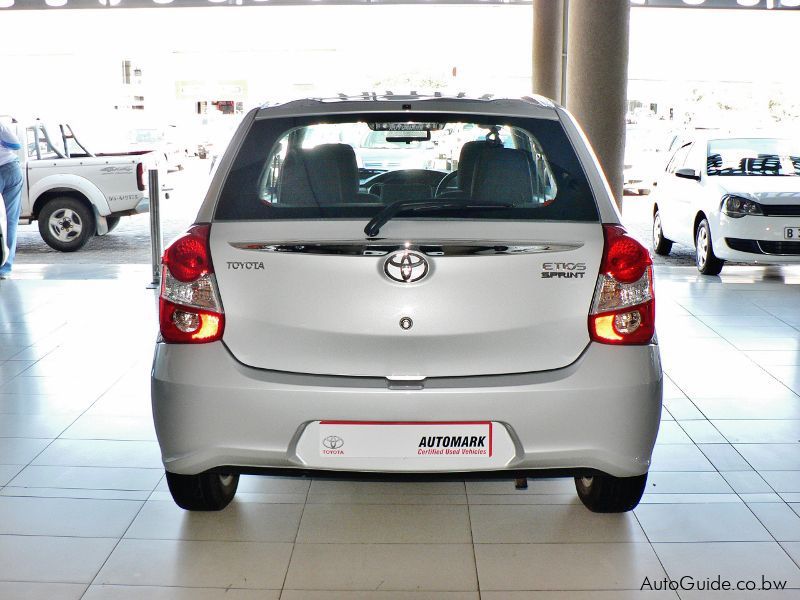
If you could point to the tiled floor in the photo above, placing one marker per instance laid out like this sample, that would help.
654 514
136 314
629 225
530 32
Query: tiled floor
85 513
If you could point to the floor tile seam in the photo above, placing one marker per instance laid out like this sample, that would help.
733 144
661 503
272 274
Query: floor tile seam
296 536
32 493
81 414
728 442
472 541
786 552
682 391
37 581
119 540
466 543
734 449
763 369
650 543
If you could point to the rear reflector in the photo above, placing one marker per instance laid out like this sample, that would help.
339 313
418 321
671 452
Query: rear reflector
140 177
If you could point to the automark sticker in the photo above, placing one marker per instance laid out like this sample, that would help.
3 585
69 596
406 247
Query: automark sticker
358 439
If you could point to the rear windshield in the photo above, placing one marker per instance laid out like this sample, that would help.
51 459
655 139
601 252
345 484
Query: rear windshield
351 167
754 156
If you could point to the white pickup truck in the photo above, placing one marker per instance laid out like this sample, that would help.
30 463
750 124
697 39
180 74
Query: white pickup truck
73 193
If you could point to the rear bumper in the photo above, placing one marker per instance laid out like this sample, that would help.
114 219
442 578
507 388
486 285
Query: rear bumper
599 414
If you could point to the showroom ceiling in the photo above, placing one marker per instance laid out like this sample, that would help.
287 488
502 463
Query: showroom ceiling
53 4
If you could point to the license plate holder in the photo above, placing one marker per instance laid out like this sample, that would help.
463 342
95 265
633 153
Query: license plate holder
791 233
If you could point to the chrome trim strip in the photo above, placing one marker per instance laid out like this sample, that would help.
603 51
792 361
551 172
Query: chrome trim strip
429 248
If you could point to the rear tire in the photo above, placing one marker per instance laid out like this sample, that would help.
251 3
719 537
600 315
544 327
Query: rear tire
661 245
609 494
706 260
206 491
66 224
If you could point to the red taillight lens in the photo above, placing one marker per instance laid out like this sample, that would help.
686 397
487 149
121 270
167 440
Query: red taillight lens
140 177
624 258
183 325
188 257
623 310
190 311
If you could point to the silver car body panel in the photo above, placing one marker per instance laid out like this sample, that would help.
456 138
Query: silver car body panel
316 338
472 314
601 412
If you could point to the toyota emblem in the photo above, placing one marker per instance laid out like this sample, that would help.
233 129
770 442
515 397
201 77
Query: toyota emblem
406 267
333 442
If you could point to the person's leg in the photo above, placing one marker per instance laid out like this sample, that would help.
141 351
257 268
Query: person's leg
11 189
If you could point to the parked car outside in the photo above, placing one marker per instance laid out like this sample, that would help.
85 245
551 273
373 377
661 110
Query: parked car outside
646 153
733 197
74 193
505 329
161 140
376 153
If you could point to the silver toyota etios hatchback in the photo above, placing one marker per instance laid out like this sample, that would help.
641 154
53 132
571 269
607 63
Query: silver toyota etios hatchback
460 299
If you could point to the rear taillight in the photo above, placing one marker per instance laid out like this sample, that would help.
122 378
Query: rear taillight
140 177
624 306
190 311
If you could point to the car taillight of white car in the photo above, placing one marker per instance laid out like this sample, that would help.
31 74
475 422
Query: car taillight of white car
623 309
190 310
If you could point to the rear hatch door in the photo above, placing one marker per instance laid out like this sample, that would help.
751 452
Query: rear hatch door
495 297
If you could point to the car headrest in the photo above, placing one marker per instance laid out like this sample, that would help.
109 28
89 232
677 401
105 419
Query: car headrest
324 175
392 192
466 163
502 175
713 162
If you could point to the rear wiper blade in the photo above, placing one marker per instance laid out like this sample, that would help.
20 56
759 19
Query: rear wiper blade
387 214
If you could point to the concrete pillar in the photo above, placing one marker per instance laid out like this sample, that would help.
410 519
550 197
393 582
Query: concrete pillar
597 79
548 23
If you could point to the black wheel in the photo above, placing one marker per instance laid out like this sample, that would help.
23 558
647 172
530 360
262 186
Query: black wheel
661 245
707 262
112 223
609 494
207 491
66 224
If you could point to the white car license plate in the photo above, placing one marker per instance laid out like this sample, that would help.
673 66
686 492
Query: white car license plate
355 439
791 233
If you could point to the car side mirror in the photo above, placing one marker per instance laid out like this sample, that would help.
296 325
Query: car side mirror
687 173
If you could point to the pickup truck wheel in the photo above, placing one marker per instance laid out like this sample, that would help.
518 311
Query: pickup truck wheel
66 224
206 491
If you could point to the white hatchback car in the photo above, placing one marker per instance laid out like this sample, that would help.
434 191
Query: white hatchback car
732 198
502 327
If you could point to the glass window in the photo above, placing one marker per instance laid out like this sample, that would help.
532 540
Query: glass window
754 156
346 167
677 160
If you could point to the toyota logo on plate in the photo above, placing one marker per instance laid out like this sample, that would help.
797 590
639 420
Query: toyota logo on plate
406 267
333 442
